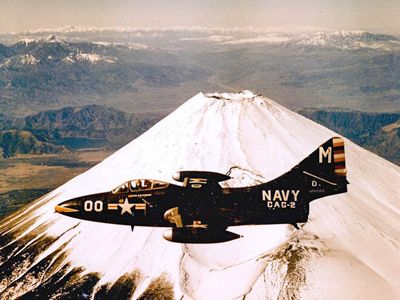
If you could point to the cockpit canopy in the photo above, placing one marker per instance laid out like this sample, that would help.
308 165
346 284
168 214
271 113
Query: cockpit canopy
140 185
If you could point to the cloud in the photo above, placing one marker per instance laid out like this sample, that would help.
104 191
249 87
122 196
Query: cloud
211 38
260 39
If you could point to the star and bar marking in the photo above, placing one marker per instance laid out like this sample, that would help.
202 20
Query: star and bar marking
126 207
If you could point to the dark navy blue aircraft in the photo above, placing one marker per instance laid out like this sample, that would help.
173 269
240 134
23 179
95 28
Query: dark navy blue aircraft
199 210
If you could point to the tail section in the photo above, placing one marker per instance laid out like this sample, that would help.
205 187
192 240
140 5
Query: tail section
324 170
287 197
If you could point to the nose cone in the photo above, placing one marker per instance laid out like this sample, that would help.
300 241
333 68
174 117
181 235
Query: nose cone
67 207
176 176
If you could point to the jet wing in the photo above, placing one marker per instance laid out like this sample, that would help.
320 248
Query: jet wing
197 207
199 179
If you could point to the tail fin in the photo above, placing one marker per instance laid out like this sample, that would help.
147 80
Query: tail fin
324 170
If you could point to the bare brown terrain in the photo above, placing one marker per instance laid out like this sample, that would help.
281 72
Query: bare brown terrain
26 177
27 171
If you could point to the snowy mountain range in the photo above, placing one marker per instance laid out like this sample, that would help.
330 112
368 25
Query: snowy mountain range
157 69
35 73
344 40
300 36
54 50
347 250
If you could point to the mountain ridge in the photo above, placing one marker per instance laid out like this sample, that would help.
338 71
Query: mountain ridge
52 73
73 127
14 142
376 132
134 70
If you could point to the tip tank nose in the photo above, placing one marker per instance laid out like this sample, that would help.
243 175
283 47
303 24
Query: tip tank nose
168 235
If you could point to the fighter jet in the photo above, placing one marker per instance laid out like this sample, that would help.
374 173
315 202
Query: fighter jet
198 210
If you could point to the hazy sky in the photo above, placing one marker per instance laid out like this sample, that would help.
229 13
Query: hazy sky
21 15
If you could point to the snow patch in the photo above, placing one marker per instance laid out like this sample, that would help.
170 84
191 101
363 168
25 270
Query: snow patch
273 39
27 41
93 58
51 38
130 46
243 95
28 59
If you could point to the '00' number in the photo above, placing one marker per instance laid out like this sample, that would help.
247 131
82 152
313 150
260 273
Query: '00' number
90 205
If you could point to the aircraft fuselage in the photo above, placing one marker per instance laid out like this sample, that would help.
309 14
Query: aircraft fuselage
199 209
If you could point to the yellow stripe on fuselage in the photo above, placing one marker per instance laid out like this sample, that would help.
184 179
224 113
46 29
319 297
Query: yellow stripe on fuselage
112 206
140 206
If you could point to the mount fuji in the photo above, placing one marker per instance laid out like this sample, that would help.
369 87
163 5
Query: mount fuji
349 248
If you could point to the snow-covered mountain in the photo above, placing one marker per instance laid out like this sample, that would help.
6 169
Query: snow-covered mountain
343 40
349 249
53 50
53 72
347 40
300 36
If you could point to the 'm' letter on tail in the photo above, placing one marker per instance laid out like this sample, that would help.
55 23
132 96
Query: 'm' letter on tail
324 170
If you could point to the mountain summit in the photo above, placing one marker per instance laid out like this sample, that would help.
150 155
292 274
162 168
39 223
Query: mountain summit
348 249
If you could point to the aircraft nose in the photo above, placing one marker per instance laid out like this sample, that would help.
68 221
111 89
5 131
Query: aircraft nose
66 207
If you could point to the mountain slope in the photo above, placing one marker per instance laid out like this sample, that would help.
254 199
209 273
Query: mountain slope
379 133
75 127
346 250
91 121
13 142
56 73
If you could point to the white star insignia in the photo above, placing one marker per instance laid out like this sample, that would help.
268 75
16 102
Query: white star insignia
126 207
